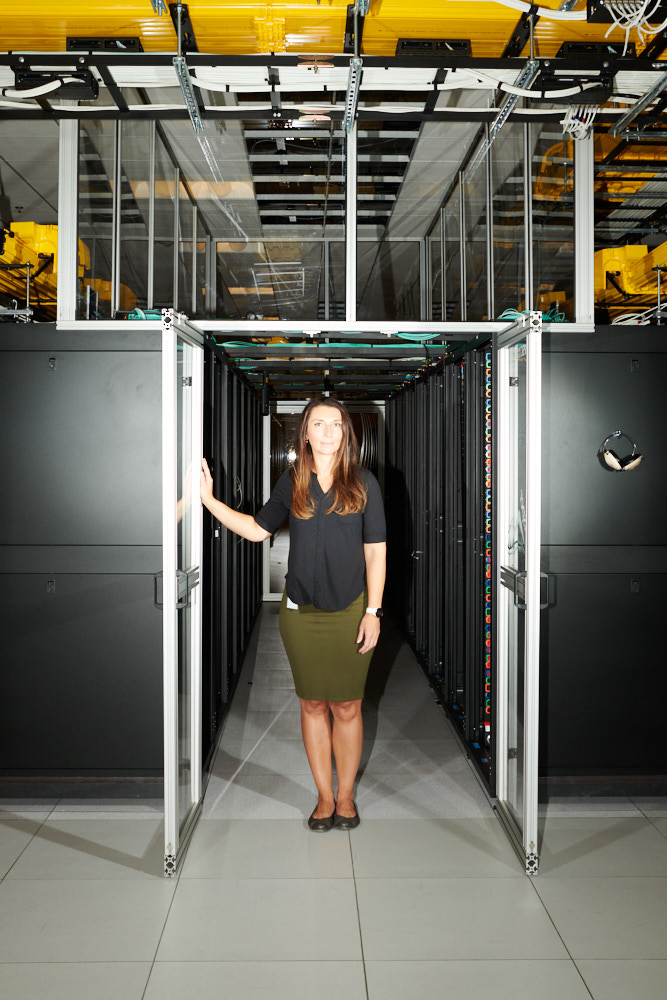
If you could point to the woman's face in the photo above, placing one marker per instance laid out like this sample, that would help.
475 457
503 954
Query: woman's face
324 430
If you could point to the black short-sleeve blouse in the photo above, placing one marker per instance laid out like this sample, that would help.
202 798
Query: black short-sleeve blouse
326 565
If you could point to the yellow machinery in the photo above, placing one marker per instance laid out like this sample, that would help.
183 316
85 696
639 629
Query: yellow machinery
28 246
626 279
555 176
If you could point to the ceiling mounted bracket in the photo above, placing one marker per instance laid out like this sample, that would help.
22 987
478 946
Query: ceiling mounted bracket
180 15
352 96
522 33
354 26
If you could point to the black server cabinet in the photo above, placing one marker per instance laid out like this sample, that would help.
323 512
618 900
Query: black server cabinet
80 530
81 545
604 541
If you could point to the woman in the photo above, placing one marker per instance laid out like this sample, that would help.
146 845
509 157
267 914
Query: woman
331 608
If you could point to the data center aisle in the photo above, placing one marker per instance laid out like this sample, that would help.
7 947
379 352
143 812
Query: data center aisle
425 898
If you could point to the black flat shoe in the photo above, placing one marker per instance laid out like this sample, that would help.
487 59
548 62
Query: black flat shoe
347 822
322 825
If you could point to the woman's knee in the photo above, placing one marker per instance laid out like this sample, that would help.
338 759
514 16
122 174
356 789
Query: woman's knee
314 707
345 711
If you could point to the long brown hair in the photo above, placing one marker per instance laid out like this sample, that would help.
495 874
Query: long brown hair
349 493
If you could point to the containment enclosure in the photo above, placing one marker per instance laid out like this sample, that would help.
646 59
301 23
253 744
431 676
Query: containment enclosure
84 525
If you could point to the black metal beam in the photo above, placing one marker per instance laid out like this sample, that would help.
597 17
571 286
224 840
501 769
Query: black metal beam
188 40
521 34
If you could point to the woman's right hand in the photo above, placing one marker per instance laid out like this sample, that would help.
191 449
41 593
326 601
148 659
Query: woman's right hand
205 482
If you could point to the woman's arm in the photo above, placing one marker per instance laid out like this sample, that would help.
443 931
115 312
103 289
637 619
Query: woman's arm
375 554
241 524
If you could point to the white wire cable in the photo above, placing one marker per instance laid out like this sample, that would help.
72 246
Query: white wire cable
44 88
579 120
634 14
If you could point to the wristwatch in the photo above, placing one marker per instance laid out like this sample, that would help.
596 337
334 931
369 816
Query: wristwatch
374 611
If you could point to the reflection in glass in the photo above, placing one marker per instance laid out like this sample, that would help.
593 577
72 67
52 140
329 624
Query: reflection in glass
474 198
452 264
508 219
388 284
553 222
95 211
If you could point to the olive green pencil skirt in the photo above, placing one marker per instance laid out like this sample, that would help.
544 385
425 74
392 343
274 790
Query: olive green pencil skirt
322 650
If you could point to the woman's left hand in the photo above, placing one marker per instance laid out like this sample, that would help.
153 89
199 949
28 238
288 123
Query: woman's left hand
369 633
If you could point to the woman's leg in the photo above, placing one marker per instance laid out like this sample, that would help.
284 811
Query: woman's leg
347 739
316 731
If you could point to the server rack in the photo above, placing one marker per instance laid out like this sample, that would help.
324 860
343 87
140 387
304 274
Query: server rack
81 548
439 502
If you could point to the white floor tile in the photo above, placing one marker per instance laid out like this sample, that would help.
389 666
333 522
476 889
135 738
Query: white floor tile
621 980
93 849
413 848
15 835
74 981
263 725
602 846
415 757
255 980
407 919
82 921
450 793
254 796
277 757
265 848
260 920
497 980
608 917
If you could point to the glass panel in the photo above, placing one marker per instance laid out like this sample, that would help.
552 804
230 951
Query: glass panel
388 280
474 194
271 280
336 280
453 256
553 223
135 171
515 560
436 276
163 267
29 214
96 171
508 214
184 374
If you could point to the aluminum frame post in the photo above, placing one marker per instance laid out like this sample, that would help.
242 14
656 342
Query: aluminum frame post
116 217
490 290
351 225
584 230
177 227
462 247
194 260
150 284
528 219
68 215
443 266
